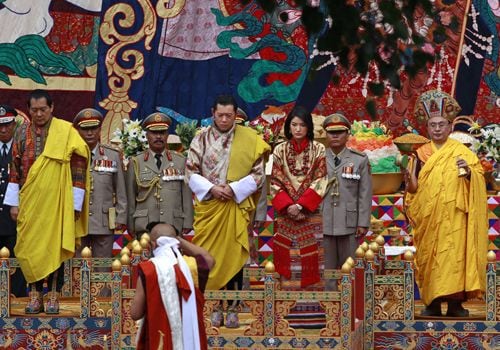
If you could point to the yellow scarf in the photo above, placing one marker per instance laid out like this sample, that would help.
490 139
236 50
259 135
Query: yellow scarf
47 230
221 227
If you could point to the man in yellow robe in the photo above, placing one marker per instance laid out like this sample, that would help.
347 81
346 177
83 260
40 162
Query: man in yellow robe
447 208
46 191
224 169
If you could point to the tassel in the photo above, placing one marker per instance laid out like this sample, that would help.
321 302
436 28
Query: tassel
281 251
310 265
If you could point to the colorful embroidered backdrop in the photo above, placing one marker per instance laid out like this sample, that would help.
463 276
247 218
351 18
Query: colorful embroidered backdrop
149 54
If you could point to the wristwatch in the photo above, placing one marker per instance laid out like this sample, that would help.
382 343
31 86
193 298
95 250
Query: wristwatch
299 207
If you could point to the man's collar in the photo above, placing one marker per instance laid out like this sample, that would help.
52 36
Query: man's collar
220 133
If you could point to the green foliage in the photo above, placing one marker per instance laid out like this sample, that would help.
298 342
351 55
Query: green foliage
186 132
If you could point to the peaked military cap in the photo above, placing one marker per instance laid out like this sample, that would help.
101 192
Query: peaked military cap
156 122
336 122
88 118
7 114
241 116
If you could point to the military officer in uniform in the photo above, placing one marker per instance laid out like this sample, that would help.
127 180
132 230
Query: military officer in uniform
155 182
8 233
108 195
347 204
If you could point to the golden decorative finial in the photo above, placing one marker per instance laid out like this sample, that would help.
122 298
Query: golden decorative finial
374 247
346 268
4 253
364 246
124 251
380 240
137 249
408 256
146 236
86 253
144 242
492 257
350 261
360 253
125 259
269 268
116 265
369 255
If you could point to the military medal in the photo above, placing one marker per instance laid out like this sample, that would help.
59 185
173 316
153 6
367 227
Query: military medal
172 174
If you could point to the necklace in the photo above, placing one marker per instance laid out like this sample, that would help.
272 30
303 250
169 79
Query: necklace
291 160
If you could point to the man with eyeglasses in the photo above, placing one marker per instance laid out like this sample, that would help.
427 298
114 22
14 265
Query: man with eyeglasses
447 209
47 192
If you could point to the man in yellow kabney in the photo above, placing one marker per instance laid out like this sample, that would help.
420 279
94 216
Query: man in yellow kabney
47 194
447 208
224 169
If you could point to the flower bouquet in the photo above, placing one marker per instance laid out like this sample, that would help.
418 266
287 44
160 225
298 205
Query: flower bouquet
488 151
132 139
263 129
269 124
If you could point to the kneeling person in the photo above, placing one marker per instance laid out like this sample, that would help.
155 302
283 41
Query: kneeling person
173 286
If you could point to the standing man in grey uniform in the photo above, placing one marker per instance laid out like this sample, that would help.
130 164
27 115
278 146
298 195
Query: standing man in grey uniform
108 195
155 182
347 204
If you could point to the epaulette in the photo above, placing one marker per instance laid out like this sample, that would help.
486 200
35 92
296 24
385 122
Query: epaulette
359 153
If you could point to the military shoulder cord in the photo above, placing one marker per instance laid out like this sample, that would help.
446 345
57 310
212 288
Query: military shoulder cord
154 182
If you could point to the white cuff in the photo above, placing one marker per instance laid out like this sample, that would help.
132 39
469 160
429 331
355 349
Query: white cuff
12 195
200 186
78 196
243 188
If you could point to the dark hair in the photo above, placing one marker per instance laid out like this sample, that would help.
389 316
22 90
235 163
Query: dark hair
225 100
304 115
38 94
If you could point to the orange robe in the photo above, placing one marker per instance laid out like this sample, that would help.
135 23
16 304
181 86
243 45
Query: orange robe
450 227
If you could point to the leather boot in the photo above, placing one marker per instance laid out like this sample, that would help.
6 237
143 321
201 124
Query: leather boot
433 309
35 303
52 303
455 309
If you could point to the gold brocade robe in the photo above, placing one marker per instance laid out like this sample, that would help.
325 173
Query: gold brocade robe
221 227
450 227
46 225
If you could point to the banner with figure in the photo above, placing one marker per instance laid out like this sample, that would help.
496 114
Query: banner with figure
177 56
49 45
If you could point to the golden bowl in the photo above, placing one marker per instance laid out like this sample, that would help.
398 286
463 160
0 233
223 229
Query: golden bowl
406 148
386 183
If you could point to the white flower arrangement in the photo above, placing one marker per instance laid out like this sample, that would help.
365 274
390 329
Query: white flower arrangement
490 144
132 139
